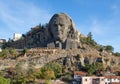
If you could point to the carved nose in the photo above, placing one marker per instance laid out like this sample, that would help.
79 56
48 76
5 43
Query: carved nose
58 27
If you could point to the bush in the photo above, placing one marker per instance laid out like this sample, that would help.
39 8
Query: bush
47 81
4 53
88 40
90 69
117 54
46 73
67 78
109 48
8 52
4 80
57 68
25 50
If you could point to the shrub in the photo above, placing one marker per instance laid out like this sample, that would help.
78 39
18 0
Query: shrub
117 54
4 80
8 52
47 81
109 48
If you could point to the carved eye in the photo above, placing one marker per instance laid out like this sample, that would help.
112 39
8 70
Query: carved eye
61 25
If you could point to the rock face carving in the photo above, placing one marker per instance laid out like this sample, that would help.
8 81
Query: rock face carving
62 31
59 33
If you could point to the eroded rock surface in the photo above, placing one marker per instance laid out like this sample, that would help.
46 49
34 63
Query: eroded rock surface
60 32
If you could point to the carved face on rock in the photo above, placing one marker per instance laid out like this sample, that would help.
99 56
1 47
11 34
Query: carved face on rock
59 26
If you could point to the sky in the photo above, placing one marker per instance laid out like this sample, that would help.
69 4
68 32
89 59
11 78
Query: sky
101 17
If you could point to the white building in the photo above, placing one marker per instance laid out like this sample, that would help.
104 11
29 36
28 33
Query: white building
112 79
81 78
17 36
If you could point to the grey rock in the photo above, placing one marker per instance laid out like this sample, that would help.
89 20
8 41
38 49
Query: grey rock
60 32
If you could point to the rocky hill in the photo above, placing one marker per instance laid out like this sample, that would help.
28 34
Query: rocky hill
59 41
74 59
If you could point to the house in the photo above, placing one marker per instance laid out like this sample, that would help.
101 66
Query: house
81 78
17 36
111 79
79 74
92 80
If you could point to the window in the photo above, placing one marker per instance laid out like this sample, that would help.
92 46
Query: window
108 79
102 79
85 79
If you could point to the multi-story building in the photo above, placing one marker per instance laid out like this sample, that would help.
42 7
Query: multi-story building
111 78
17 36
81 78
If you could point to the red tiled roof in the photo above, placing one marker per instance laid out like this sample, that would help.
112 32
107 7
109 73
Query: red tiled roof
115 77
115 83
80 73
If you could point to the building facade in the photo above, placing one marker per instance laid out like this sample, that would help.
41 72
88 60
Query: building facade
81 78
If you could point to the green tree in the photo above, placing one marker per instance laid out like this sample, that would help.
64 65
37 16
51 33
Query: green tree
4 80
6 45
90 69
47 73
99 68
89 36
25 50
57 68
109 48
20 74
30 72
8 52
13 52
53 67
47 81
88 40
117 54
83 40
4 53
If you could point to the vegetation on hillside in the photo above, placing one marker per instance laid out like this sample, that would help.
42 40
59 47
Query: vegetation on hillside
90 41
25 74
9 53
95 68
4 80
54 68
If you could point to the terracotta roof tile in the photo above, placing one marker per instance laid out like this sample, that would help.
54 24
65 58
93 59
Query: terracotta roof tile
80 73
115 83
116 77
